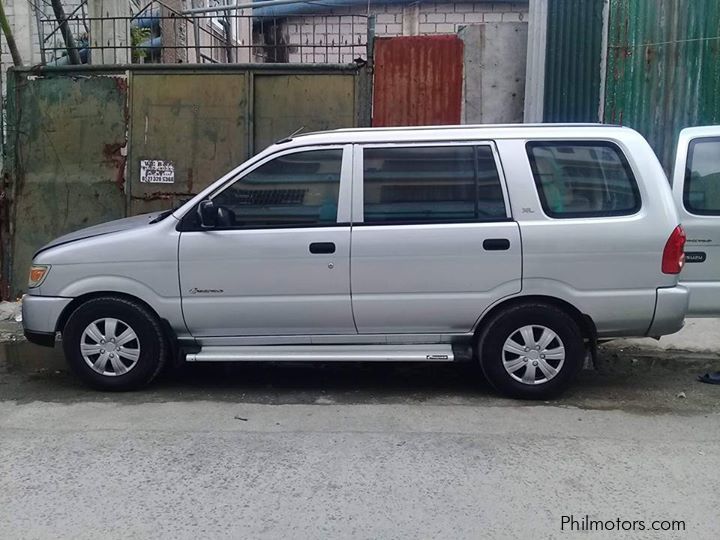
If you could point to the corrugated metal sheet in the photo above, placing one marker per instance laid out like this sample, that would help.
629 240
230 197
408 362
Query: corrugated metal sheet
572 60
418 81
663 68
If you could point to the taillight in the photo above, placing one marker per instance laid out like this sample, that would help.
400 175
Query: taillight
674 253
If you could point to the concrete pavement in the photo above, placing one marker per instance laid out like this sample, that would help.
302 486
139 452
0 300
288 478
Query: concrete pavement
698 335
357 451
224 470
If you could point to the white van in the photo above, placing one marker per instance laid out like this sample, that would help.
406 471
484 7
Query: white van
517 247
696 189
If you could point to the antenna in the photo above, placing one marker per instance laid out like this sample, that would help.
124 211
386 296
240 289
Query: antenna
289 137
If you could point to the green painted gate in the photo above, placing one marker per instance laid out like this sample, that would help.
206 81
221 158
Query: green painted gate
62 162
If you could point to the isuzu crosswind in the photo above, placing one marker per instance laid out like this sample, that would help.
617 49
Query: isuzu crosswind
518 247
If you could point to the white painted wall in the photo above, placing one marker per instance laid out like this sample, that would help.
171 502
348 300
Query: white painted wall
425 18
22 19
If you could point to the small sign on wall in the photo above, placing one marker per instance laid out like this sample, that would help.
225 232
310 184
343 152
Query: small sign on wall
157 171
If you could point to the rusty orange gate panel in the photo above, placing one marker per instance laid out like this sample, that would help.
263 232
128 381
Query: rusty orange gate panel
418 81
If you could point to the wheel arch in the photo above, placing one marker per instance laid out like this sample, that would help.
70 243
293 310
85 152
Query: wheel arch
168 331
584 321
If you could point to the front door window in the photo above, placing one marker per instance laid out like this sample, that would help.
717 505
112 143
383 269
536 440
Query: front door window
292 190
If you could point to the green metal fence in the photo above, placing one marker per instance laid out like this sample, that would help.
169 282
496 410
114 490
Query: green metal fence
663 70
572 61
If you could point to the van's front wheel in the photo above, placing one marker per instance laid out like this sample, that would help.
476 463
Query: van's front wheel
531 351
114 343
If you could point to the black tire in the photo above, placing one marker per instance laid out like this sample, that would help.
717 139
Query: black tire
507 324
153 347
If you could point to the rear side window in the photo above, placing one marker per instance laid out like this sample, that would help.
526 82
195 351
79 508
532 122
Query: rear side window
583 179
439 184
701 192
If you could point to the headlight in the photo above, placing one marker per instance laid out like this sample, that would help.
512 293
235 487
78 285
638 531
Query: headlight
38 272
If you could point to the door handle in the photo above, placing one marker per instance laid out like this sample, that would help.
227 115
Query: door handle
496 244
322 247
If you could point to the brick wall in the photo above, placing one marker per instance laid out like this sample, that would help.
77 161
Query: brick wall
347 26
23 22
24 29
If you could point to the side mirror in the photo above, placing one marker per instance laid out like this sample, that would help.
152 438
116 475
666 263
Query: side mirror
208 214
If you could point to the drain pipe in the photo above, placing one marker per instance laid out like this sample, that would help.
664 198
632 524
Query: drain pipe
244 5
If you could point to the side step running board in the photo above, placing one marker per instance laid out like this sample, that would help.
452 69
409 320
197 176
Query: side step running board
325 353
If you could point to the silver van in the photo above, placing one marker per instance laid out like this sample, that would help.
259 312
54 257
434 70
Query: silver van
517 247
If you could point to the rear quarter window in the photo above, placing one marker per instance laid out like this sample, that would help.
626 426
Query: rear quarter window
583 179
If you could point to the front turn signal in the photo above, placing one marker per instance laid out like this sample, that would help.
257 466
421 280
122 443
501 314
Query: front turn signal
38 272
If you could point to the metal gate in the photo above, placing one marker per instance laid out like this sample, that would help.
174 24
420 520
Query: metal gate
207 121
418 81
78 136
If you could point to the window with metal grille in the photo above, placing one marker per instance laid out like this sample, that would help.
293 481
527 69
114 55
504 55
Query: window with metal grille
270 196
299 189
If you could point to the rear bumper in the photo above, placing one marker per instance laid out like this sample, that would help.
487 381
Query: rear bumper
41 313
671 306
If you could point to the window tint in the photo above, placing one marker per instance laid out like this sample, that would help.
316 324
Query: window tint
298 189
578 179
701 192
431 185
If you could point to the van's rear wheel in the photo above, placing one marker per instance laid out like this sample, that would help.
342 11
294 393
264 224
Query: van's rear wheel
531 351
114 344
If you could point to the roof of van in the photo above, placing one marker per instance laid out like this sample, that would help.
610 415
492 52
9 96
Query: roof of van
460 132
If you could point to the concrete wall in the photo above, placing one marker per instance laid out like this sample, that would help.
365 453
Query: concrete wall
494 65
425 18
108 32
